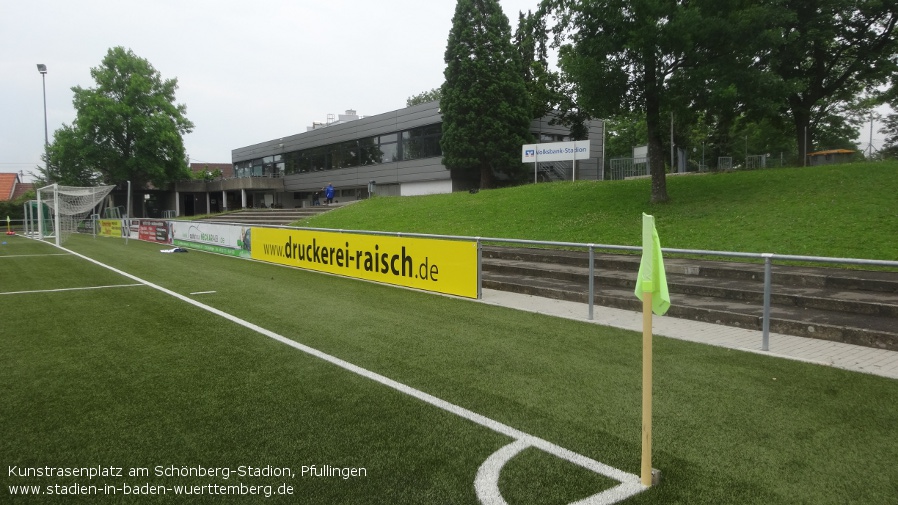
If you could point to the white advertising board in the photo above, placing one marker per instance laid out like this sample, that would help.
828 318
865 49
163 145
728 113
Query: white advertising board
218 238
555 151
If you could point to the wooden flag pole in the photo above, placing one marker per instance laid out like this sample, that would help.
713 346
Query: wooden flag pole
646 474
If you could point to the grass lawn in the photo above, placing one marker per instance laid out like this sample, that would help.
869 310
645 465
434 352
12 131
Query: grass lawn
847 211
129 376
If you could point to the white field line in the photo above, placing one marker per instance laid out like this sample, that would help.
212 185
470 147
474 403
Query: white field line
630 483
31 255
486 484
71 289
203 292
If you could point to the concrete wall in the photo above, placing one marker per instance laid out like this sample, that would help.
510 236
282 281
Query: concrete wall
425 188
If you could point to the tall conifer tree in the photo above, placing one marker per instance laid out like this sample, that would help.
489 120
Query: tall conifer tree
484 100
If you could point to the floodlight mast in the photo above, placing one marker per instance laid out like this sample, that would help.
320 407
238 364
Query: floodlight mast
43 70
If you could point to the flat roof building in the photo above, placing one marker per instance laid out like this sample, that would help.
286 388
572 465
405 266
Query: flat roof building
395 153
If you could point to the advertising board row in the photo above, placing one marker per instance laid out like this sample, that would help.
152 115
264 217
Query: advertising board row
439 265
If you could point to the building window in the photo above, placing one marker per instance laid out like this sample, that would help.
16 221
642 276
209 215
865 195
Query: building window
291 163
552 137
370 150
349 154
318 158
242 169
423 142
389 147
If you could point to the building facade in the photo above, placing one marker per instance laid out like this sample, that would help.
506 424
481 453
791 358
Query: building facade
396 153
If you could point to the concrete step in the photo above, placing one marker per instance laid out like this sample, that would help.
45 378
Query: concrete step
857 301
859 307
280 217
877 331
824 277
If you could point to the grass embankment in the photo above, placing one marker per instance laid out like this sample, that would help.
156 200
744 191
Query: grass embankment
848 211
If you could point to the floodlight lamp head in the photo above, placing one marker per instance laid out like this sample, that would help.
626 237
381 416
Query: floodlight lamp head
42 68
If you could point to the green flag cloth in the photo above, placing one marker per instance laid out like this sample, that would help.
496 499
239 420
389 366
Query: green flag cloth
651 277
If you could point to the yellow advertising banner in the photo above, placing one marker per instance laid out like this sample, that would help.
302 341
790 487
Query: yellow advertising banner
111 227
443 266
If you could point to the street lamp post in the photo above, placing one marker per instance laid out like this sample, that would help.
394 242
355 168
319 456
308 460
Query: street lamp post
43 70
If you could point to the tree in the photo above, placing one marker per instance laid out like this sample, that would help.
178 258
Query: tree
127 128
547 90
15 209
890 130
65 162
486 115
826 52
624 56
531 40
423 97
623 133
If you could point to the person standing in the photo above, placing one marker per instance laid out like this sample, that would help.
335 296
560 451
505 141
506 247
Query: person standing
329 194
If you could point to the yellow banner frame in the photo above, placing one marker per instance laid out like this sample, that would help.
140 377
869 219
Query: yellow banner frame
438 265
110 228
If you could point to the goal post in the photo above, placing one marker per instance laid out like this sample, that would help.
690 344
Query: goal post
67 206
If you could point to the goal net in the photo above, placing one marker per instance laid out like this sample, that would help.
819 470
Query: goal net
68 206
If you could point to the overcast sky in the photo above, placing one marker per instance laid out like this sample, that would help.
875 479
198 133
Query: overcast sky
248 71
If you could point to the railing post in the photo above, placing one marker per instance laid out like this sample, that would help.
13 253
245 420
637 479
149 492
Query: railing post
765 323
592 278
479 268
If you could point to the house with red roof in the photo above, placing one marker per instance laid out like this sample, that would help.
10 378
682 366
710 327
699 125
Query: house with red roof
12 187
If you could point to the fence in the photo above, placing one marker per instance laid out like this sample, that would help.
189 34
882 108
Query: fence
767 258
621 168
755 162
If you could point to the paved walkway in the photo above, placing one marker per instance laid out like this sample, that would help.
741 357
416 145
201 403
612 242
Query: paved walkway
850 357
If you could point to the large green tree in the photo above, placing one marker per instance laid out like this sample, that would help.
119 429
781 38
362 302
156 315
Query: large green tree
484 103
127 128
822 54
641 55
549 94
65 161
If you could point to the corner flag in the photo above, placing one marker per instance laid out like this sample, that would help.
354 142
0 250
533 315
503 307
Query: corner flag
651 276
651 288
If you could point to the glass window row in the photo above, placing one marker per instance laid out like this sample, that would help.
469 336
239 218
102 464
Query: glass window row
417 143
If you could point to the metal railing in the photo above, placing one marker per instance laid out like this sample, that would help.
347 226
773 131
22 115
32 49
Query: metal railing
754 162
621 168
767 258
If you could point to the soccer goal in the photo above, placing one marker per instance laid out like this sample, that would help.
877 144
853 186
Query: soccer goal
67 206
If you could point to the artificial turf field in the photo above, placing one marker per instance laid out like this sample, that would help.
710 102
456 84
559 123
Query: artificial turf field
129 376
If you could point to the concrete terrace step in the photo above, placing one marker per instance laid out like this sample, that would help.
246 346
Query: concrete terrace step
859 307
784 275
279 217
863 302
